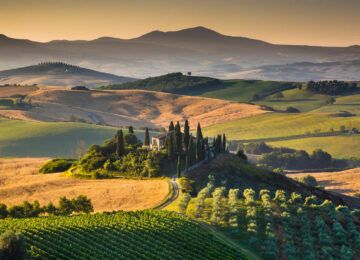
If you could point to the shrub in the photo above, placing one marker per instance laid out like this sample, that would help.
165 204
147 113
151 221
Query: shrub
241 154
292 110
3 211
308 180
12 246
57 165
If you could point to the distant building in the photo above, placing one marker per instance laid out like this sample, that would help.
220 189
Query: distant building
158 141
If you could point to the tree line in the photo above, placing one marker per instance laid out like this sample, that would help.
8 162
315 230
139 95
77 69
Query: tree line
66 207
333 87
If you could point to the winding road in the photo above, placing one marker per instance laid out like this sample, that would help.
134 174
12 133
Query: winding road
175 195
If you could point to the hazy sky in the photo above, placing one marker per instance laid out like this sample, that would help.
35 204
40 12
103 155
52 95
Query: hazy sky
315 22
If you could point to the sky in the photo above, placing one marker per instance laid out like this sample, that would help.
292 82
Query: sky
303 22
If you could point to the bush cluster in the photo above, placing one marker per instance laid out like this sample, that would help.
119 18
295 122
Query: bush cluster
57 165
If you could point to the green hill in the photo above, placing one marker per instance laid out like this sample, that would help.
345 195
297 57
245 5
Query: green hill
149 234
176 83
33 139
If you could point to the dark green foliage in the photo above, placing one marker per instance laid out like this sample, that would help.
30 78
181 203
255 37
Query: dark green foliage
57 165
3 211
261 148
178 171
172 83
12 246
171 126
50 209
65 206
186 134
178 138
331 87
224 143
190 151
16 212
240 153
170 147
82 204
147 137
131 139
320 159
308 180
292 110
199 132
120 147
131 130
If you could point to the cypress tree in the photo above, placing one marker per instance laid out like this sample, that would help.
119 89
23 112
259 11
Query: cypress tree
147 137
171 126
170 146
131 130
120 148
198 149
224 143
190 150
178 141
187 163
198 132
186 134
178 168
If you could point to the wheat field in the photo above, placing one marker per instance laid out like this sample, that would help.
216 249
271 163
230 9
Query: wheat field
19 181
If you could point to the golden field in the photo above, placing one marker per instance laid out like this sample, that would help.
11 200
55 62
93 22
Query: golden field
19 181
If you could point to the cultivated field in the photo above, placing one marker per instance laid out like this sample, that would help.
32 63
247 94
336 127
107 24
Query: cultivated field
19 181
338 146
345 182
129 107
274 125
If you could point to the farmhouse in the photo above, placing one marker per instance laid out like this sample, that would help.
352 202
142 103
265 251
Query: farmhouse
158 141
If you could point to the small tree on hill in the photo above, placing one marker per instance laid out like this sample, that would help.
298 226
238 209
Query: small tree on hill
147 137
120 148
82 204
65 206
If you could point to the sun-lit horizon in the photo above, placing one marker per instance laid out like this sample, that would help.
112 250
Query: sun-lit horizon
306 22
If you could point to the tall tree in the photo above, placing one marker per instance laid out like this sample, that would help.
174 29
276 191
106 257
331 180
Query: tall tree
190 150
170 146
187 163
131 130
186 134
224 144
147 137
198 132
198 149
178 140
120 148
171 126
178 167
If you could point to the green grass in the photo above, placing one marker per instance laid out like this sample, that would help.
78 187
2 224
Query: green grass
33 139
149 234
273 125
242 90
338 146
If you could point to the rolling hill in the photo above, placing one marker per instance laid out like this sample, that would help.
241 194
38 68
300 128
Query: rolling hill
200 50
58 74
121 108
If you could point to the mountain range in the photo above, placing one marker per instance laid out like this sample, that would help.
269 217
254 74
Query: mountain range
199 50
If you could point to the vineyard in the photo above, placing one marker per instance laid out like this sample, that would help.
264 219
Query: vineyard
278 224
148 234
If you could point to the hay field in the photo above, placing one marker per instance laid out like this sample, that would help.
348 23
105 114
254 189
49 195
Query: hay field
346 182
19 182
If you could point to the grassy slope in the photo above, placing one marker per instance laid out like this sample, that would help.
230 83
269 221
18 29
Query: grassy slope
242 90
337 146
279 125
32 139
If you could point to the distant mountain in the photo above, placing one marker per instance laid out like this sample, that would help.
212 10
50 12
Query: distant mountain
304 71
59 74
200 50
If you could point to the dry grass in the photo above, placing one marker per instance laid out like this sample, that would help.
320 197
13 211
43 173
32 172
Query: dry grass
10 91
130 107
19 182
346 182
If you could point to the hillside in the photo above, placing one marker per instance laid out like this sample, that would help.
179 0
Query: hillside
122 235
176 83
200 50
58 74
121 108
